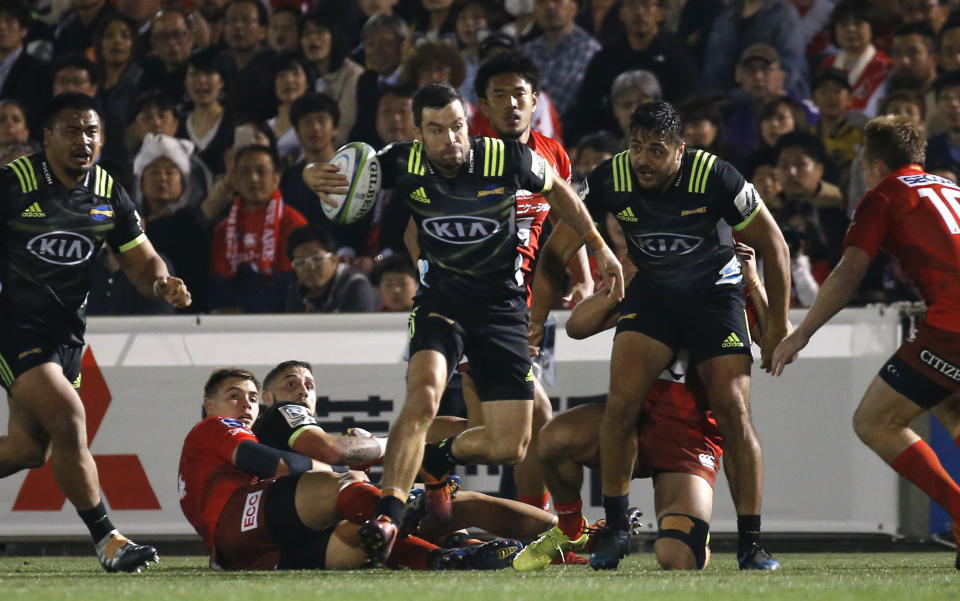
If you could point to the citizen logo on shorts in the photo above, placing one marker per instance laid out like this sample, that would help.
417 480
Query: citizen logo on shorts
940 364
251 509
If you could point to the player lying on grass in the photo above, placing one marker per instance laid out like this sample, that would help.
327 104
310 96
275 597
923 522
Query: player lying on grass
678 441
258 508
288 424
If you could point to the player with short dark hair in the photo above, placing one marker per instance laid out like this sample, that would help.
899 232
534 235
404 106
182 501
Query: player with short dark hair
462 196
59 208
669 201
914 217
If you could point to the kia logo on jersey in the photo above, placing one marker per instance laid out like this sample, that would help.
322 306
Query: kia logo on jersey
61 248
460 229
662 245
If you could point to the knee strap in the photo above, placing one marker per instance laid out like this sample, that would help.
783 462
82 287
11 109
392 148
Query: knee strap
691 531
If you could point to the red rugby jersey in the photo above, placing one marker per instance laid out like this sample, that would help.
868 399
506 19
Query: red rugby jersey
915 217
207 475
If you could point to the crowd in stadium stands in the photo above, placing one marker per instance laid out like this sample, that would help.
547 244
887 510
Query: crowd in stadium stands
213 107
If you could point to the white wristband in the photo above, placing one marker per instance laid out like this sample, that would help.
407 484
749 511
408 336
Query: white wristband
156 287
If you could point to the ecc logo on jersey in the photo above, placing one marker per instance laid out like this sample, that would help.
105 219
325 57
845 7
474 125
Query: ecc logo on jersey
61 248
461 229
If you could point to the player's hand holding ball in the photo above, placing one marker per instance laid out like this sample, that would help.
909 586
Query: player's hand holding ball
348 185
325 179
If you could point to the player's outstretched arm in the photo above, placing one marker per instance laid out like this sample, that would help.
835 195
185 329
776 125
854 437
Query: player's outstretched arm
325 179
763 234
257 459
833 296
758 294
339 450
147 271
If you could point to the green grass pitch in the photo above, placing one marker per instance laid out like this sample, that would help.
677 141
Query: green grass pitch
848 576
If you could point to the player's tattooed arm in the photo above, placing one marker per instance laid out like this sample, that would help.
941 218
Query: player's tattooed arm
338 450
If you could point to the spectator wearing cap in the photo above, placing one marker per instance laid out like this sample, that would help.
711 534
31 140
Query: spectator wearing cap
562 53
324 283
647 47
761 80
22 77
944 148
865 66
165 69
162 181
838 129
384 38
331 71
209 125
746 22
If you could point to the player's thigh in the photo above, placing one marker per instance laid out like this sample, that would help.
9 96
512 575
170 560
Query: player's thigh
686 494
573 435
884 407
499 353
316 498
26 440
635 364
44 393
343 548
471 397
726 379
508 422
713 323
435 345
926 367
948 414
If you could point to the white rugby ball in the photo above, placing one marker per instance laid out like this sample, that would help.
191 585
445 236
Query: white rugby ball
358 161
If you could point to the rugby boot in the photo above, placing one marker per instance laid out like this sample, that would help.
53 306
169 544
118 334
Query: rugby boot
414 510
440 493
634 527
552 544
757 558
494 555
610 547
117 553
377 538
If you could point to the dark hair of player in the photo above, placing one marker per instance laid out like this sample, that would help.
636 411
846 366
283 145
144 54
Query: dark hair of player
310 233
221 374
894 141
313 102
282 367
253 148
18 11
661 118
855 10
262 16
508 61
950 79
807 142
905 95
397 263
70 101
433 96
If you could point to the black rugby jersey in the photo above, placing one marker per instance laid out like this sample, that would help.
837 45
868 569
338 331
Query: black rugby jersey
281 424
467 226
49 238
672 236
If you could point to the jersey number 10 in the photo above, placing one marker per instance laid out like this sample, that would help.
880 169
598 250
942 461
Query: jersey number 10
951 214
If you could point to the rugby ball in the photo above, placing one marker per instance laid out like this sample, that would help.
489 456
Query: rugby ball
358 161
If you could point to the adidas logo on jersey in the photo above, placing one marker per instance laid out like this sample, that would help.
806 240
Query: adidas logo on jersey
627 215
732 341
420 195
33 210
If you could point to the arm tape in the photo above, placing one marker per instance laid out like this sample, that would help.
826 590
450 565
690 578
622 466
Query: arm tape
259 460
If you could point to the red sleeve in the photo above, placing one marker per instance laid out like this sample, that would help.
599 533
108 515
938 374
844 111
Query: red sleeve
869 225
219 251
223 435
291 220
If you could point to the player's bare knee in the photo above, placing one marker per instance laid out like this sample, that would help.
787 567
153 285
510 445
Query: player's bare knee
674 555
423 402
552 440
508 450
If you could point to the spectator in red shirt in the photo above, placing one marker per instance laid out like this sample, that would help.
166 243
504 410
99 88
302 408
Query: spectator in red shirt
251 268
865 66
